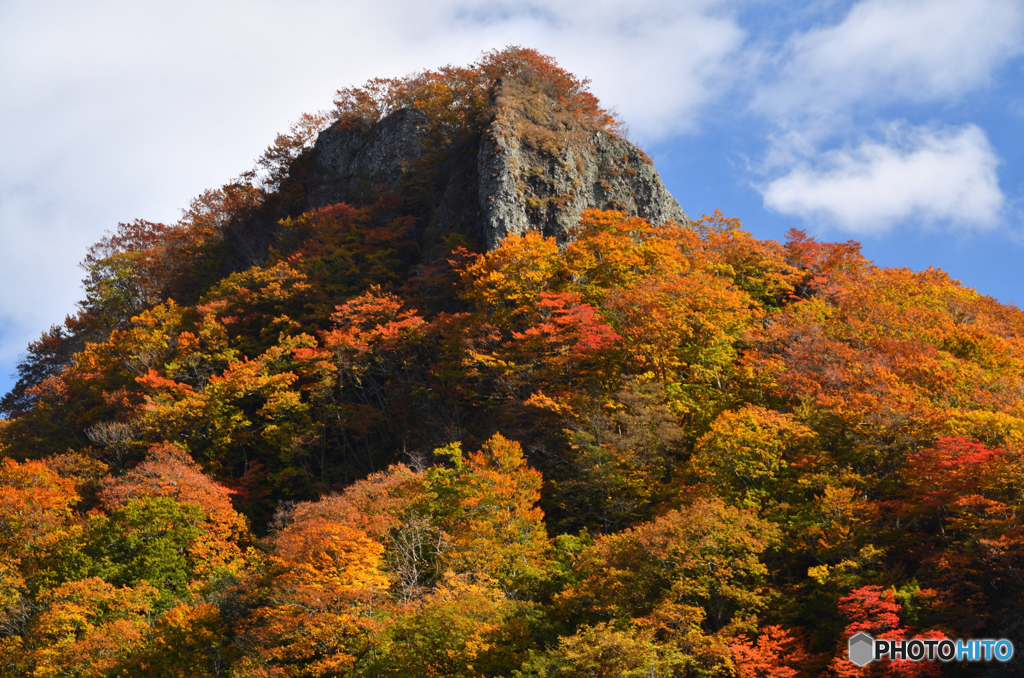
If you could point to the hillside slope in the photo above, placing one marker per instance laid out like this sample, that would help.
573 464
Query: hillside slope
411 399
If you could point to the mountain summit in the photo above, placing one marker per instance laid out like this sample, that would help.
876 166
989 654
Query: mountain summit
533 157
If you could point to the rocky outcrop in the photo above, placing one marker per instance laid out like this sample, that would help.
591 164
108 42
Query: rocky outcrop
541 177
354 163
535 168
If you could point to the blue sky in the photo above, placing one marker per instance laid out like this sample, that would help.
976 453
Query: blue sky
897 123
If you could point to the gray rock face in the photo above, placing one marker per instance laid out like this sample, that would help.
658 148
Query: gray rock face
546 189
529 174
356 161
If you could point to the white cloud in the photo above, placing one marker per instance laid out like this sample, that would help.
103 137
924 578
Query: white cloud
931 175
33 300
887 51
833 81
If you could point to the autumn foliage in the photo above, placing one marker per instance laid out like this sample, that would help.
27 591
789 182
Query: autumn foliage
285 442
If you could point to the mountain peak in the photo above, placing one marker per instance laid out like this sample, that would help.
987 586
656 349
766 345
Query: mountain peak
509 145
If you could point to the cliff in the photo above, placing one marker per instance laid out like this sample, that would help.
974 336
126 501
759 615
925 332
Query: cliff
530 165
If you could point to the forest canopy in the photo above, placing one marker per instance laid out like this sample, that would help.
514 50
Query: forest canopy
287 441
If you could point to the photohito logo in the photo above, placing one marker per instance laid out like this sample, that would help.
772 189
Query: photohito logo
864 649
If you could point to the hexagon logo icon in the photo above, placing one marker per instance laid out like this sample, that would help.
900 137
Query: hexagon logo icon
861 648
